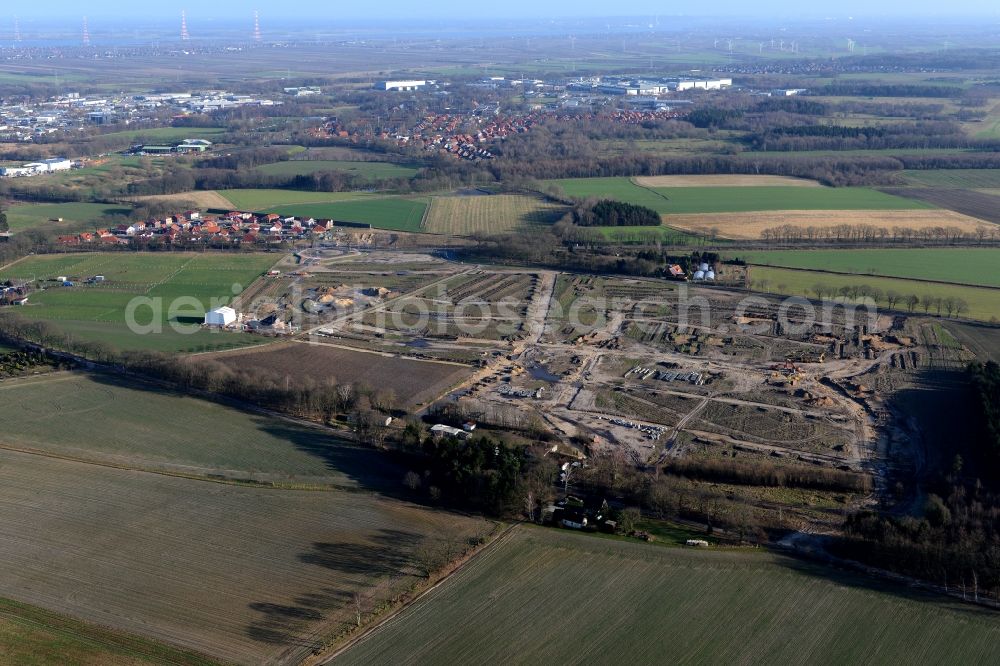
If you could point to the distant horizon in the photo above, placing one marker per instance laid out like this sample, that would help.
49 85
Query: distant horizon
516 11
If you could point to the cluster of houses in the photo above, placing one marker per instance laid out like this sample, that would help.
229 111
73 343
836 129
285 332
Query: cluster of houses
469 135
192 227
13 295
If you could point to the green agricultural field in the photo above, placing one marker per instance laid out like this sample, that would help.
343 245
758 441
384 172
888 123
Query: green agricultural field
365 170
621 189
74 215
628 235
669 200
550 597
97 312
394 213
264 199
984 303
489 214
971 266
144 426
31 635
966 179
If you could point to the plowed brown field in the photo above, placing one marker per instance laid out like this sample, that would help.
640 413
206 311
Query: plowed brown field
414 382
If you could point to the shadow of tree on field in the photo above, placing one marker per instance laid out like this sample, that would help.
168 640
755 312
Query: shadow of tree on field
386 554
369 468
391 553
852 578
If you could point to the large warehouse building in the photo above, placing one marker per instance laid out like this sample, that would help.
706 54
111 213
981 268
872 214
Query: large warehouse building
222 317
400 85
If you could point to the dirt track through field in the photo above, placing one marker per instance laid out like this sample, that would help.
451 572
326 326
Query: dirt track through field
723 180
750 226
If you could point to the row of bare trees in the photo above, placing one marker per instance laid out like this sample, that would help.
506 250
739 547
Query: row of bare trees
869 233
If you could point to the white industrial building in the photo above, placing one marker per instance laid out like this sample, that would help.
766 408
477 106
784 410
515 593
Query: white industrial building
221 317
35 168
702 84
400 85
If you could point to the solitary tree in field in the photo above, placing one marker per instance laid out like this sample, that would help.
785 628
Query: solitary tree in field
961 306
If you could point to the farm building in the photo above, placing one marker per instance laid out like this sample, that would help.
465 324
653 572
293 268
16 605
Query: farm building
442 430
224 316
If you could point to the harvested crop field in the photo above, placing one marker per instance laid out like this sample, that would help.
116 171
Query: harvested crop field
967 202
750 226
489 214
723 180
413 381
247 575
551 597
200 198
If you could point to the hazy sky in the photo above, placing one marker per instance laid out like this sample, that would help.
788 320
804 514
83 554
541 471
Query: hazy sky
466 9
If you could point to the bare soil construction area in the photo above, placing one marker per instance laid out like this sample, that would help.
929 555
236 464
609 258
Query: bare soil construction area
723 180
750 226
249 575
413 381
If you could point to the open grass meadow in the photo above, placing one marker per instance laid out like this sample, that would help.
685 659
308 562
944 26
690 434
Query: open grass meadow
983 302
970 266
489 214
74 215
733 199
188 282
132 525
365 170
391 213
31 635
550 597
